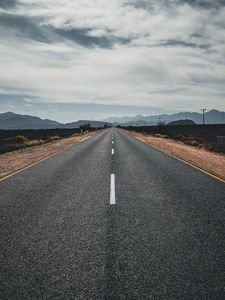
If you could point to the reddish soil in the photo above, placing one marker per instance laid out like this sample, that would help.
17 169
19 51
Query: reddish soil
13 161
209 161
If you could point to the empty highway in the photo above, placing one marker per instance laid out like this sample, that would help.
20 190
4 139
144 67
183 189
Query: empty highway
112 218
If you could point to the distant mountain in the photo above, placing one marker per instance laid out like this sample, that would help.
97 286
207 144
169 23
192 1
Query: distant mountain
182 122
124 119
10 120
211 117
96 124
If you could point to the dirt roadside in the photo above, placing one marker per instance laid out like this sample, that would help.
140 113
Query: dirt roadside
211 162
14 161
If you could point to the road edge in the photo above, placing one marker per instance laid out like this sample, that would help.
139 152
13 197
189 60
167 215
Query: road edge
41 160
182 160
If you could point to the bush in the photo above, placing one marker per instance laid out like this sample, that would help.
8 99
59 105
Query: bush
30 143
159 135
187 138
53 138
191 142
194 143
178 136
22 139
85 127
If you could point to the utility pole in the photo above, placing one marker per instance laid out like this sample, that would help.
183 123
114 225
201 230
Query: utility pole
203 115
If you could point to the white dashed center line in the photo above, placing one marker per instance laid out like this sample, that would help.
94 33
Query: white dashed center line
112 182
112 190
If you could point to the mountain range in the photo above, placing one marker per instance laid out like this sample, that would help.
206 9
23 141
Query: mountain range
10 120
211 117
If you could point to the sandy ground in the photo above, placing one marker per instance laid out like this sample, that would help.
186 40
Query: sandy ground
212 162
13 161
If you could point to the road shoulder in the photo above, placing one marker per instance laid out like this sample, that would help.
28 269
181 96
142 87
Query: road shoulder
210 162
16 161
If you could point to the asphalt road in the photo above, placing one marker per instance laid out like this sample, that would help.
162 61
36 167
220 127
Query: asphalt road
60 238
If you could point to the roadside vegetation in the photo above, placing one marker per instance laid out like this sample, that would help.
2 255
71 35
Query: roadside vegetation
209 137
11 140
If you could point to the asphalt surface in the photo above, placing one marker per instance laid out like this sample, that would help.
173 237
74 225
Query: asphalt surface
60 238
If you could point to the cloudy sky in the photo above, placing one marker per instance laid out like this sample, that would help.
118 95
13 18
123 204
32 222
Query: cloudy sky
73 59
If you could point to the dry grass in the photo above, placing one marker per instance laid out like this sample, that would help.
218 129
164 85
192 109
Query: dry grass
207 160
29 142
13 161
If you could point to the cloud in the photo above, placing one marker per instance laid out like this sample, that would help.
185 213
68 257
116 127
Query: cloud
24 27
122 52
32 28
7 3
206 4
89 38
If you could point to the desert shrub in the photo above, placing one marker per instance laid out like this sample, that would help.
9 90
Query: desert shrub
210 148
22 138
194 143
161 128
30 143
161 123
200 146
177 136
190 142
159 135
85 127
53 138
187 138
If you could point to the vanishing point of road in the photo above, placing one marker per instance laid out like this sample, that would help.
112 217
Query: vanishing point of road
112 218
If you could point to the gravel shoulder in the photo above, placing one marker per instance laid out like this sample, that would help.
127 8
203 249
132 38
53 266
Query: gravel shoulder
211 162
14 161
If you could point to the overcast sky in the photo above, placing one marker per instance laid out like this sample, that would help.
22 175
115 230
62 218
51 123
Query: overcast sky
73 59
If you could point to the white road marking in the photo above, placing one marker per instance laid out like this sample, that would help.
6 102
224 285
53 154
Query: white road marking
112 151
112 142
112 190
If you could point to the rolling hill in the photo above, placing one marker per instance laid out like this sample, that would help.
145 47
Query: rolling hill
10 120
